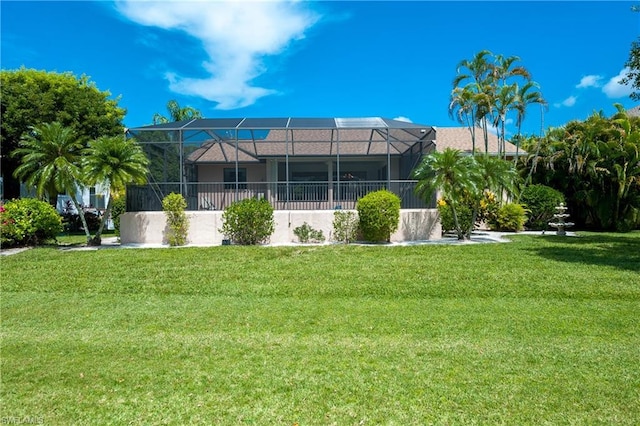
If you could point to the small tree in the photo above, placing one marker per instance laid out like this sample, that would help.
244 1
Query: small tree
248 222
117 161
345 226
174 206
379 214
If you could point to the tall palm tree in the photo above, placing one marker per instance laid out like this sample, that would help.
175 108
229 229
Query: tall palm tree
176 113
475 76
117 161
503 102
451 173
462 107
526 95
50 160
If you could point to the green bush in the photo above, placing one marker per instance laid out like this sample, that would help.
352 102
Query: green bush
118 207
248 222
174 206
345 226
28 221
463 211
306 234
379 214
541 202
509 217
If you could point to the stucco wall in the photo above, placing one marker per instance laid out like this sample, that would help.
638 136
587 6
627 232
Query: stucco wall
150 227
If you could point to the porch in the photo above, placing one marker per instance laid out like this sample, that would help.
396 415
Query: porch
309 195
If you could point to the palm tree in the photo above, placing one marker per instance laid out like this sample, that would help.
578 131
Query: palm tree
452 174
117 161
462 107
176 113
503 102
50 160
477 80
525 97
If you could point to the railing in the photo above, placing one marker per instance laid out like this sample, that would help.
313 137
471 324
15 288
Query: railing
282 195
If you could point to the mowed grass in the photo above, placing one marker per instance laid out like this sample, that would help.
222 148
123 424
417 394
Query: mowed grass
541 330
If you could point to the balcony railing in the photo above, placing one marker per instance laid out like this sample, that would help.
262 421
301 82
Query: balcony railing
281 195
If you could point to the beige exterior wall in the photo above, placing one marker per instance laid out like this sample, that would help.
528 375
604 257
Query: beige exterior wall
150 227
214 172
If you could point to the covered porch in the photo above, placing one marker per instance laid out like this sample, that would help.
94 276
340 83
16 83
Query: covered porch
295 163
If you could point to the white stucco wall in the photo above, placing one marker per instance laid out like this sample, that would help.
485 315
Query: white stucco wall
150 227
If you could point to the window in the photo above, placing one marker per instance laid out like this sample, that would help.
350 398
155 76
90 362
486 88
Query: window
230 178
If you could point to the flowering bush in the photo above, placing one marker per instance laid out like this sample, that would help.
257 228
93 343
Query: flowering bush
28 221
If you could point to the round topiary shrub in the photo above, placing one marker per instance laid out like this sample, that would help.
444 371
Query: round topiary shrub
248 222
28 221
379 214
541 202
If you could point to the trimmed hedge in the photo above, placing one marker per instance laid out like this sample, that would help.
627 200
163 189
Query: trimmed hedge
379 214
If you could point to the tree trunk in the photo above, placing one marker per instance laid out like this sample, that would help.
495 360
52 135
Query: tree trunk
97 239
82 218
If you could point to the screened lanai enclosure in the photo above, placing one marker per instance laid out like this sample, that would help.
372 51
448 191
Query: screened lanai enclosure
295 163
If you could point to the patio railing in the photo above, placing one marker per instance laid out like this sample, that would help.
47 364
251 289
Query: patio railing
281 195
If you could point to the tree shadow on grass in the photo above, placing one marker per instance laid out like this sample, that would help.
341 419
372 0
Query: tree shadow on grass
622 252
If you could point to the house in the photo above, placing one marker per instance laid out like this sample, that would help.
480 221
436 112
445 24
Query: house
295 163
305 167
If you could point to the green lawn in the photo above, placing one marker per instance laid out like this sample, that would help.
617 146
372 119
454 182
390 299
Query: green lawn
542 330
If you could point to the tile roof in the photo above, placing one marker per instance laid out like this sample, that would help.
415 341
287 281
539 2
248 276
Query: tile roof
460 138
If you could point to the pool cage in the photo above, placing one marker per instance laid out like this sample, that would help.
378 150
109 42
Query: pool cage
295 163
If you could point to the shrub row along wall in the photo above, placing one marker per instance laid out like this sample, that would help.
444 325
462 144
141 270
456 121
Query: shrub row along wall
151 227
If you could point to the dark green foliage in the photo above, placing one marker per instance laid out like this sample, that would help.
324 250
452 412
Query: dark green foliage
306 234
118 207
32 98
633 75
464 212
28 221
541 202
510 218
174 206
596 164
248 222
345 226
379 214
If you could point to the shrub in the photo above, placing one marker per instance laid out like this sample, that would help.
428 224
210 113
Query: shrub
345 226
28 221
379 214
118 207
509 217
248 222
306 233
174 206
541 202
463 211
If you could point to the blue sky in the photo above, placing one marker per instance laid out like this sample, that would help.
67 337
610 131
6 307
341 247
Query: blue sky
323 59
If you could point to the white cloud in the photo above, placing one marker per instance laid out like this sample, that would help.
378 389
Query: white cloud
589 81
402 118
613 88
236 37
569 102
